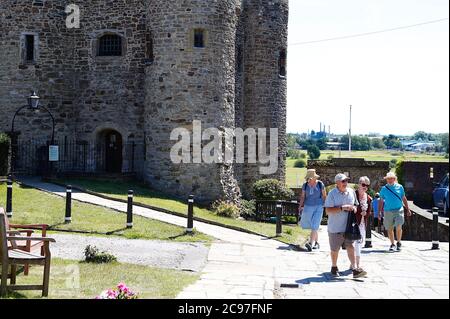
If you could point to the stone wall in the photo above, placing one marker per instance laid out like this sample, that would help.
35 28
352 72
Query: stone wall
186 83
264 90
110 90
354 167
85 93
417 182
161 81
48 75
419 227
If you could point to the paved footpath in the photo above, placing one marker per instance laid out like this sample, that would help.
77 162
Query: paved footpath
248 266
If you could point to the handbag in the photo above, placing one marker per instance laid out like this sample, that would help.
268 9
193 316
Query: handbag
352 231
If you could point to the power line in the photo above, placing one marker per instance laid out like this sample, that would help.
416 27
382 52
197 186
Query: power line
370 33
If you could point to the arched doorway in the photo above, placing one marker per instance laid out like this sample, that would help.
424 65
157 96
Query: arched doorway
112 144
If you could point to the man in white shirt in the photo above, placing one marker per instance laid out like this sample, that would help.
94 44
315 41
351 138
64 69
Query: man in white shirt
340 202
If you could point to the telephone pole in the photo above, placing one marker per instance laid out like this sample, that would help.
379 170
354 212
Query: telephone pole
350 131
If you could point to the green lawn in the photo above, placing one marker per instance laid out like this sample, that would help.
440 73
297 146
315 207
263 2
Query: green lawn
292 234
295 177
79 280
32 206
385 156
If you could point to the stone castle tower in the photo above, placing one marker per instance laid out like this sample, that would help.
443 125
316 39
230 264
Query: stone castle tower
137 69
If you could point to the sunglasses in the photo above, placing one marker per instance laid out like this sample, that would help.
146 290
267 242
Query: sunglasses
345 182
365 185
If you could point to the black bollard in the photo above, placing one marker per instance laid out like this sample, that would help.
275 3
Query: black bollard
279 221
369 232
435 231
9 193
130 209
68 217
190 219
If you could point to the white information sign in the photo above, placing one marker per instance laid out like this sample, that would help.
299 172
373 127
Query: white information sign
53 153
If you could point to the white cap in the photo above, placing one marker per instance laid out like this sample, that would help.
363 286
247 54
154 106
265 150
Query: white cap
390 175
341 178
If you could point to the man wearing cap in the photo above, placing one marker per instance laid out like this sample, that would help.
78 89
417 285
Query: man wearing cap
391 207
341 202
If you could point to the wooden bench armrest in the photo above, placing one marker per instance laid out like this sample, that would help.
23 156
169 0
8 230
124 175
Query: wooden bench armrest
44 239
26 231
42 227
35 227
15 232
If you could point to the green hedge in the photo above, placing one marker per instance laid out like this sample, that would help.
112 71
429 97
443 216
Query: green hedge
300 163
4 153
271 189
399 171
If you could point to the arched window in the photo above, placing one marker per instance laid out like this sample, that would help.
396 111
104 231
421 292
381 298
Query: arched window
110 45
282 63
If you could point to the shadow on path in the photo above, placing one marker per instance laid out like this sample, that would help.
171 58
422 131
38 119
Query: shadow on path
327 277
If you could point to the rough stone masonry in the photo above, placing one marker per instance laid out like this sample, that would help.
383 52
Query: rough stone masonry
137 69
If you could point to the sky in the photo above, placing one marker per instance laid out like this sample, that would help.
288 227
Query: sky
397 82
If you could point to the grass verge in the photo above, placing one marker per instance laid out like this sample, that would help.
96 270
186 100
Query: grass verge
292 234
80 280
32 206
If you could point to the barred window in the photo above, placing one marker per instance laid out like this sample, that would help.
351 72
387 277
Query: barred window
199 38
29 48
149 56
282 63
110 45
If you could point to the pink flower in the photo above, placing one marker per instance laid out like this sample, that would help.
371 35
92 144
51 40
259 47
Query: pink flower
112 294
122 292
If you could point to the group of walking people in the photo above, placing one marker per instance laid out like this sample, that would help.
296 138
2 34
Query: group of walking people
389 207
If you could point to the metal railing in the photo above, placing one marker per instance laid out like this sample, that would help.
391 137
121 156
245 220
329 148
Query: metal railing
31 157
266 209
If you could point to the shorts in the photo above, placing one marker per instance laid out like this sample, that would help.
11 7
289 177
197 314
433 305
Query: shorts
394 219
312 217
337 240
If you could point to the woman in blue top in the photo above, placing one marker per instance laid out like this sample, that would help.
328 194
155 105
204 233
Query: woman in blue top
312 200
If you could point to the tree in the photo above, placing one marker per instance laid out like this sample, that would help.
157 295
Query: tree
4 153
378 143
392 141
313 152
444 142
359 143
420 136
306 143
322 143
292 140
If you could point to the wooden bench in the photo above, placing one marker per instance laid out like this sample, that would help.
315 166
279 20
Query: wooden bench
12 257
27 230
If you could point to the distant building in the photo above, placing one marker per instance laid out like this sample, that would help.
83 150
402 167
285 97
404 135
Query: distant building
417 146
318 135
423 146
334 146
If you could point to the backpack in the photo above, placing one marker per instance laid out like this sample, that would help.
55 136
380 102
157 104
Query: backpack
321 187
